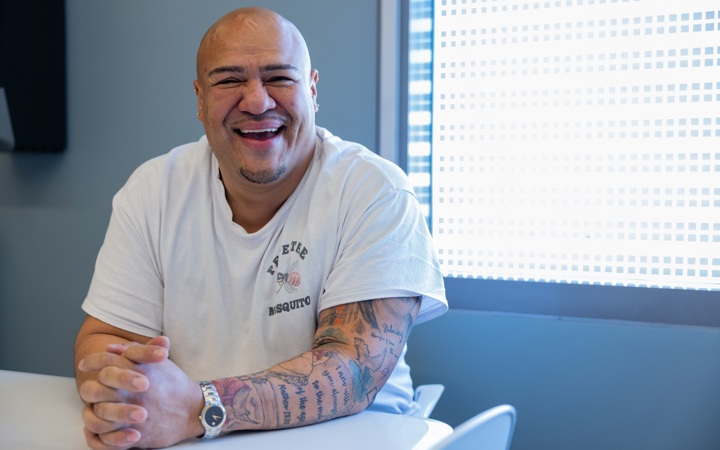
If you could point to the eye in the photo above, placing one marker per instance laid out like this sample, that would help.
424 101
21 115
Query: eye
227 82
280 80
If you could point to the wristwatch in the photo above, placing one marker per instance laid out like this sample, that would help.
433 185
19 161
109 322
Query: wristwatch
213 415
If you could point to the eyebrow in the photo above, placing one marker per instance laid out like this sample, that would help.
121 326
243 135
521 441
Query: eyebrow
241 69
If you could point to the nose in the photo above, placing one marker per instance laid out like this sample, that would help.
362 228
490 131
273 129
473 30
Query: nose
255 99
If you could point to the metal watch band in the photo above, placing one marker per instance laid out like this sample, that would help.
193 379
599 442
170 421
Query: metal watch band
213 408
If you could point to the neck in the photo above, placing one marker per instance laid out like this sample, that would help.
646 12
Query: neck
254 205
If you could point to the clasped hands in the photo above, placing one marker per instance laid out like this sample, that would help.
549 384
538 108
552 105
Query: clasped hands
139 399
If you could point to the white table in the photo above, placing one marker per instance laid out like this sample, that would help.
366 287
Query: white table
42 412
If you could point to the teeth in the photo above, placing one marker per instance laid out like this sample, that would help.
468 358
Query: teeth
266 130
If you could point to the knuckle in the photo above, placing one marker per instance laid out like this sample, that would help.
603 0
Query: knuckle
99 360
113 377
89 391
122 438
106 374
102 411
93 423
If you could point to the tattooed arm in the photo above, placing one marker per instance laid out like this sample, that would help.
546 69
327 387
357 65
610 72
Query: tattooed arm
137 397
355 350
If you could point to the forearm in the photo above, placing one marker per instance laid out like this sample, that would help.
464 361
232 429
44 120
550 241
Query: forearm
311 388
356 349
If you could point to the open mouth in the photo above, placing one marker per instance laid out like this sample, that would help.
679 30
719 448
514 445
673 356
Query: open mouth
259 135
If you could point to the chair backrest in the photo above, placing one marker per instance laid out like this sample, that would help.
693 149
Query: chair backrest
427 396
489 430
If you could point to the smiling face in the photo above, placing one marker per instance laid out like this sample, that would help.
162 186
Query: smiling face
256 98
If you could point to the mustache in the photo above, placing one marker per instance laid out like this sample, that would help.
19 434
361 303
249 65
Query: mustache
268 116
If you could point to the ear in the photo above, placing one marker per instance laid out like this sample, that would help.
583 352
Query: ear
314 77
199 95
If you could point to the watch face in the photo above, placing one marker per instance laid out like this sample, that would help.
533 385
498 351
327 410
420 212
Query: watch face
214 416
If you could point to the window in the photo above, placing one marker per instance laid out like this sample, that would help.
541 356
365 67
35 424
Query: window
567 153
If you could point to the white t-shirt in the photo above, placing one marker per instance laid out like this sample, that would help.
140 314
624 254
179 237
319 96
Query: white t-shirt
234 303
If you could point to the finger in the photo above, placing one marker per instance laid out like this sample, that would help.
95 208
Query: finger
96 424
123 438
93 391
93 441
146 354
117 349
96 361
120 348
160 341
129 380
117 440
119 413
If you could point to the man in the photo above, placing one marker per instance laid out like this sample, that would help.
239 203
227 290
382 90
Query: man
285 265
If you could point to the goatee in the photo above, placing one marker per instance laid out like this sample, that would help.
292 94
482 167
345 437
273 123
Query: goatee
262 176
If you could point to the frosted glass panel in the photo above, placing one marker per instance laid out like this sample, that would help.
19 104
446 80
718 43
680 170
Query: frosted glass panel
569 141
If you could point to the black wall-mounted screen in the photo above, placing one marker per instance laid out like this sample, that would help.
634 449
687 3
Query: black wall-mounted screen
32 73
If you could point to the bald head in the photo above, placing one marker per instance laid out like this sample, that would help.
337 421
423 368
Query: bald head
256 94
247 27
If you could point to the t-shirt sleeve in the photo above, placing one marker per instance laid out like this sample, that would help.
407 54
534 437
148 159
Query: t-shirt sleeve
126 290
386 251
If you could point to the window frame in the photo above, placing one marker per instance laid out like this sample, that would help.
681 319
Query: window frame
602 302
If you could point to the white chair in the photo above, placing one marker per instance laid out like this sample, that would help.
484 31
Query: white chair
427 396
489 430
